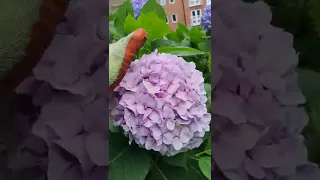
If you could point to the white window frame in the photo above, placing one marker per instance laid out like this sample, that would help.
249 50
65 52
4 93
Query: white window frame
198 19
167 20
163 2
193 3
172 18
208 2
172 1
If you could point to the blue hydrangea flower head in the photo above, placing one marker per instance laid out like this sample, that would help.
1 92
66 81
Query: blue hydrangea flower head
206 18
137 6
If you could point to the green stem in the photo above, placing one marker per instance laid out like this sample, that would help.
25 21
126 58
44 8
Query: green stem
194 158
203 152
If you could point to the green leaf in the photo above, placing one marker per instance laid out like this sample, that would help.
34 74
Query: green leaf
113 31
314 123
315 14
121 15
162 42
181 51
113 128
175 36
209 62
157 28
205 166
182 31
152 5
130 24
165 171
312 133
177 160
194 172
208 146
112 16
205 45
183 28
127 162
185 43
197 35
207 87
310 84
146 49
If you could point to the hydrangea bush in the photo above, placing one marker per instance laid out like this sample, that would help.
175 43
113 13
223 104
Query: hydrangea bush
162 103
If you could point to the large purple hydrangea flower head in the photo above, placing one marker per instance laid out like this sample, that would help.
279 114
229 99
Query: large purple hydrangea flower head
256 109
206 18
137 6
160 104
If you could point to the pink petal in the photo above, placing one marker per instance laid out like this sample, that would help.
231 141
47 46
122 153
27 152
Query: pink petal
148 124
182 95
177 144
168 112
144 131
150 87
149 143
155 117
167 138
170 125
154 78
185 135
172 88
156 132
140 109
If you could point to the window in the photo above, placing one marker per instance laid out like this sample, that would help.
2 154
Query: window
194 3
167 21
196 17
163 2
174 18
171 1
208 2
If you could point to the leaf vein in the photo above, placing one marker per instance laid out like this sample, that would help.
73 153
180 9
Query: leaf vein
120 154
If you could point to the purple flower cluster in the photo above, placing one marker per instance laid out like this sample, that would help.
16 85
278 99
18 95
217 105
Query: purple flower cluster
69 86
137 6
161 104
257 126
206 18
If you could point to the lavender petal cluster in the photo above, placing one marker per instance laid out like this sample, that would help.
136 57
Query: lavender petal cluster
206 18
137 6
69 87
160 104
256 96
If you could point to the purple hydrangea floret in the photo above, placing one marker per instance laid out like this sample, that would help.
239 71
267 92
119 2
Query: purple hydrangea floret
160 104
137 6
206 18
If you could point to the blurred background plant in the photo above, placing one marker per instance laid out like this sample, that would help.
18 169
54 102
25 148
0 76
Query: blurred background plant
302 19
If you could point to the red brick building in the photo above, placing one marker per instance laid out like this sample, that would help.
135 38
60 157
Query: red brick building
187 12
